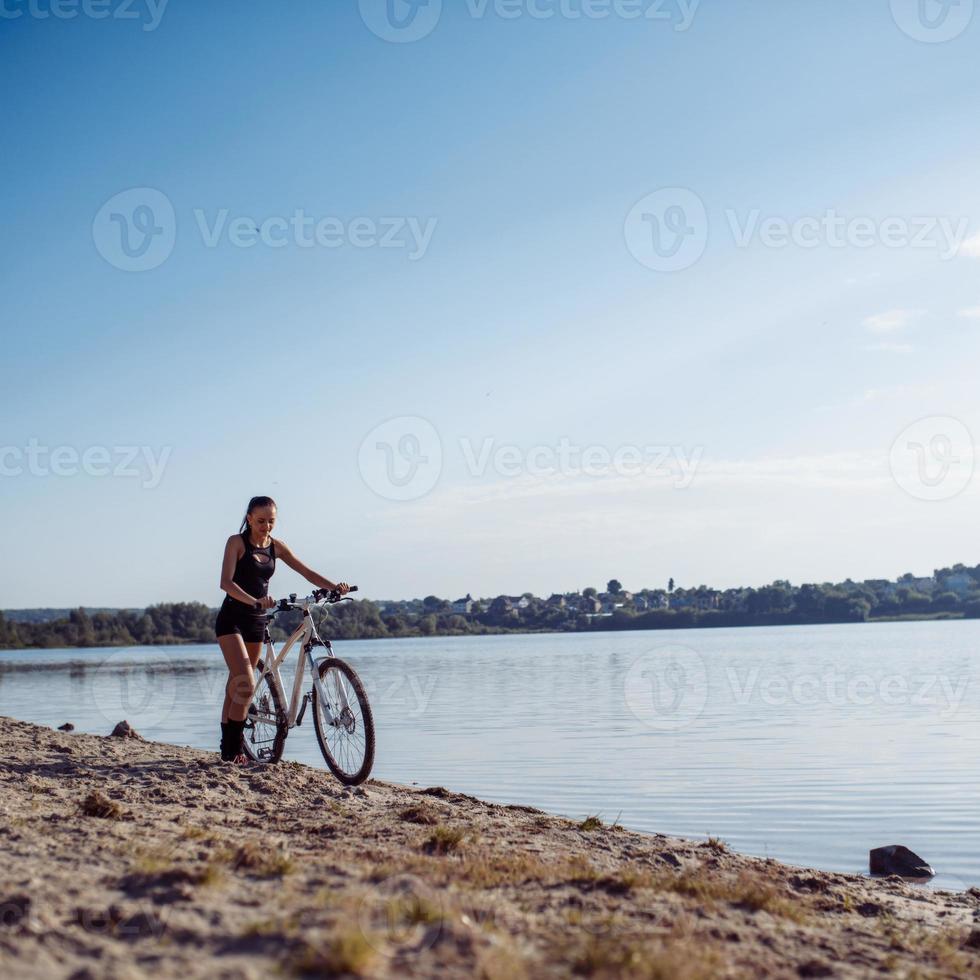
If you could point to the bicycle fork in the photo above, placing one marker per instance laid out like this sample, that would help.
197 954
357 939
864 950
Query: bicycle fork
320 687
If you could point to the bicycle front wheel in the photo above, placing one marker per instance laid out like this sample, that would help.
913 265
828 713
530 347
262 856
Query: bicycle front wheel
265 732
345 726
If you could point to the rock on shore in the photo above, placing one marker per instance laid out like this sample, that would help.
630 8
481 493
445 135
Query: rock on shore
129 859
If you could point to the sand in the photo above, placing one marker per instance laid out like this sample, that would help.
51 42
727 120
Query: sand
124 858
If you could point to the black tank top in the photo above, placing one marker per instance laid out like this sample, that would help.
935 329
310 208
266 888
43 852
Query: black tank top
253 570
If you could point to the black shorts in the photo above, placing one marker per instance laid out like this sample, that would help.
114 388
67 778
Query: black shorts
251 626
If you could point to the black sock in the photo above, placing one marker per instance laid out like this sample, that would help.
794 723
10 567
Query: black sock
233 739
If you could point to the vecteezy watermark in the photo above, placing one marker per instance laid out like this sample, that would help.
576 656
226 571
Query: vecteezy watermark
933 458
125 688
667 688
678 13
146 920
401 21
136 230
837 688
304 231
409 692
401 459
122 462
391 914
834 230
19 912
404 21
933 21
148 12
568 459
668 230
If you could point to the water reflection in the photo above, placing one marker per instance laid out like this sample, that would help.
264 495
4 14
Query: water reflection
809 745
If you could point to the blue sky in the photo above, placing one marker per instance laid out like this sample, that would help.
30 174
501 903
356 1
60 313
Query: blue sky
764 385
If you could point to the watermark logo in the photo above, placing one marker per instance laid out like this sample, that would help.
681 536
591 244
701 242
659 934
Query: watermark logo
142 693
410 693
933 459
935 692
20 912
401 21
136 230
667 688
121 462
569 460
391 916
149 12
933 21
401 459
941 233
301 230
678 13
667 231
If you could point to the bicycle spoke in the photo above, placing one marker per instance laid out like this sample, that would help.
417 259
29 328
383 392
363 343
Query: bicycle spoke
344 724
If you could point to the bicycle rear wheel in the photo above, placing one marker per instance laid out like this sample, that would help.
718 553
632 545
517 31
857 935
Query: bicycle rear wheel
265 732
347 742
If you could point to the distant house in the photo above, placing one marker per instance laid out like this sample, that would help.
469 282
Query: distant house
463 607
959 582
589 606
508 603
640 603
704 601
501 606
556 601
732 600
925 585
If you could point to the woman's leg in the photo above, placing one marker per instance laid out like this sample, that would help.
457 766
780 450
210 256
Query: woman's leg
241 680
254 651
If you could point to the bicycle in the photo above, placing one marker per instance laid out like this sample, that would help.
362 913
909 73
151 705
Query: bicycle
341 713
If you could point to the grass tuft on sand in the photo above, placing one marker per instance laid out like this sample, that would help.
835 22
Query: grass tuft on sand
96 804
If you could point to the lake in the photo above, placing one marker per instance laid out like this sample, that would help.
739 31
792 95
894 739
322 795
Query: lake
807 744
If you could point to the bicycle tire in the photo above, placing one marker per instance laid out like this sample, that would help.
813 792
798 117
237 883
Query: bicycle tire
268 747
343 767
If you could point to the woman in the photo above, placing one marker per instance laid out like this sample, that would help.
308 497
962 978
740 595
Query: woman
250 560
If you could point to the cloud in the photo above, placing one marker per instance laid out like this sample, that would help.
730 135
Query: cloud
973 313
971 247
892 320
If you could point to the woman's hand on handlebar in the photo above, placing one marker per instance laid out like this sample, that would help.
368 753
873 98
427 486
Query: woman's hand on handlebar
342 588
266 602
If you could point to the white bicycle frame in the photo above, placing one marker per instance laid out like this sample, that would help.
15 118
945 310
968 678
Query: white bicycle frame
306 635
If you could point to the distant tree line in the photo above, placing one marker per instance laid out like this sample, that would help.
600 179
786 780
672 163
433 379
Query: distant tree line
948 593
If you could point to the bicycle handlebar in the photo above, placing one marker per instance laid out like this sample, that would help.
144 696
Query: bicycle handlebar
332 596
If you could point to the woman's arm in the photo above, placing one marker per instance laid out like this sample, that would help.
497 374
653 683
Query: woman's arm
232 554
283 552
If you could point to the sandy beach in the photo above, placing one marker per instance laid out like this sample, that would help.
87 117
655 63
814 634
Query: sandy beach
124 858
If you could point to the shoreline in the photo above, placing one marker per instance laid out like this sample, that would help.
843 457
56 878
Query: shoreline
126 858
882 620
